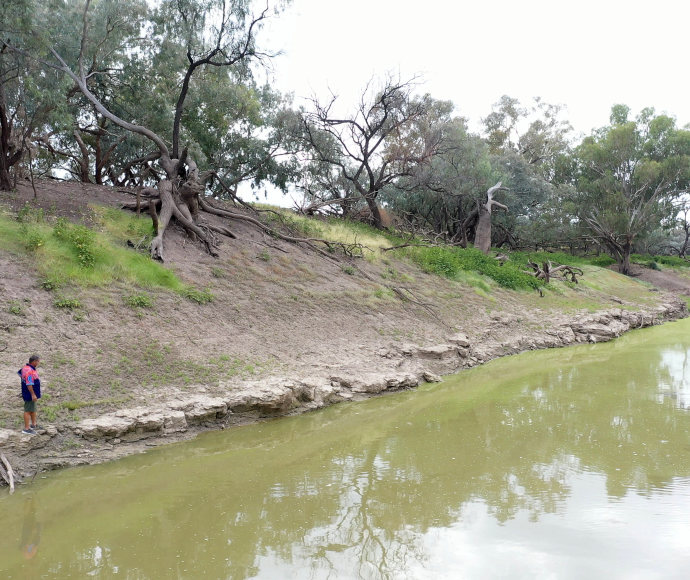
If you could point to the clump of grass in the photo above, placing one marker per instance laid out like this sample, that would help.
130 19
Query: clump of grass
198 296
16 308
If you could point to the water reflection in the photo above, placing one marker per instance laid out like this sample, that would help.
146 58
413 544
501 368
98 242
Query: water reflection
566 461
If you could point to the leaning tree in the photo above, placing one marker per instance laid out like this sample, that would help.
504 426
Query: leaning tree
206 35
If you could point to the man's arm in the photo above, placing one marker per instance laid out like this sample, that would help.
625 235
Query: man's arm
30 386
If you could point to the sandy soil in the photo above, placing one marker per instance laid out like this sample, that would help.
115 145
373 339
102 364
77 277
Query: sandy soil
279 310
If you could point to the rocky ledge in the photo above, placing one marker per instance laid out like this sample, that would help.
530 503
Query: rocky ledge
405 367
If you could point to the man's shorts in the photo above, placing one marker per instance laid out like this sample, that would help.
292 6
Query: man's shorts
29 406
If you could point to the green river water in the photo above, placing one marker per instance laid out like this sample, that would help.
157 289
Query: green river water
569 463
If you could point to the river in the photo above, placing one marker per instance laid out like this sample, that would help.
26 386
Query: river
566 463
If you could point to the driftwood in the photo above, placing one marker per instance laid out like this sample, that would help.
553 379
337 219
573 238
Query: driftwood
6 472
547 270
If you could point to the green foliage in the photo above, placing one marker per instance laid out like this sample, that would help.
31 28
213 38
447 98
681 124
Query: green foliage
70 254
16 308
654 261
80 239
449 262
139 301
602 261
198 296
67 303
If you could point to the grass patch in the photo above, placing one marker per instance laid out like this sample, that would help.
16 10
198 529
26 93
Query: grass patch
450 262
68 254
654 261
198 296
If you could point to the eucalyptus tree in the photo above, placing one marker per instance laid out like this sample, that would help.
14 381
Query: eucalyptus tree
31 99
442 197
384 139
629 173
192 37
532 144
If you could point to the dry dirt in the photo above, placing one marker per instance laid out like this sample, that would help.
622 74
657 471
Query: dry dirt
279 309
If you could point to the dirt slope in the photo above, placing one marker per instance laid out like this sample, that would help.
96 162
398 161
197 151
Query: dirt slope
279 310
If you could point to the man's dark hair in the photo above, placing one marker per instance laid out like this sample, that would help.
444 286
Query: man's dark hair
34 357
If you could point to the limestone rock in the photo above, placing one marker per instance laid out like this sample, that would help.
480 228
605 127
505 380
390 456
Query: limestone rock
460 339
200 408
265 398
438 352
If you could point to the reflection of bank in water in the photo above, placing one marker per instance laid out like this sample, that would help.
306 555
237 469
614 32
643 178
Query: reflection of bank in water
31 530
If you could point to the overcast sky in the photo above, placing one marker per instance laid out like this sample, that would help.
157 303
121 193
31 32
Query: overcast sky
586 55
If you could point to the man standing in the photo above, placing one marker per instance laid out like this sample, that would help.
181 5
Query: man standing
31 392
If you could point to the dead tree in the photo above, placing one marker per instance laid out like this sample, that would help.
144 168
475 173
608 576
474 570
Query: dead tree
547 271
482 239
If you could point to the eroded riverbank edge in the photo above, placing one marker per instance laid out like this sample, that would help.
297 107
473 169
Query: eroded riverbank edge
181 416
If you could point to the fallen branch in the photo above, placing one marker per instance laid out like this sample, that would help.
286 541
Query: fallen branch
7 473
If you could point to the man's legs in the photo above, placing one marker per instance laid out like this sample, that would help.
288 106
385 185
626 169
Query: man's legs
27 419
33 419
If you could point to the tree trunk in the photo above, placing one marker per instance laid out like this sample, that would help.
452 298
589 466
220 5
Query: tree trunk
375 212
624 263
482 238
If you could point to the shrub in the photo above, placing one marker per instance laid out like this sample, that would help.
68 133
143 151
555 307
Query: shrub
139 301
80 238
449 262
67 303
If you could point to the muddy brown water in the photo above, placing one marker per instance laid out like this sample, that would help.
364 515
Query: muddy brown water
568 463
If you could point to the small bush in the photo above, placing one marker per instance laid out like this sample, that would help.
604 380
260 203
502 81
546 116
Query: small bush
30 214
139 301
51 283
80 238
67 303
15 308
33 239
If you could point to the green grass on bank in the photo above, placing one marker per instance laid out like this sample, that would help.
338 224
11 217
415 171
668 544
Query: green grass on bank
70 254
65 253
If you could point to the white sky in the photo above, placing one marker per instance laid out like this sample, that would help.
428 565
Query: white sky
586 54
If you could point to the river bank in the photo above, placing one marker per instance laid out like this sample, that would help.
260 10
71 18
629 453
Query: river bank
287 332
